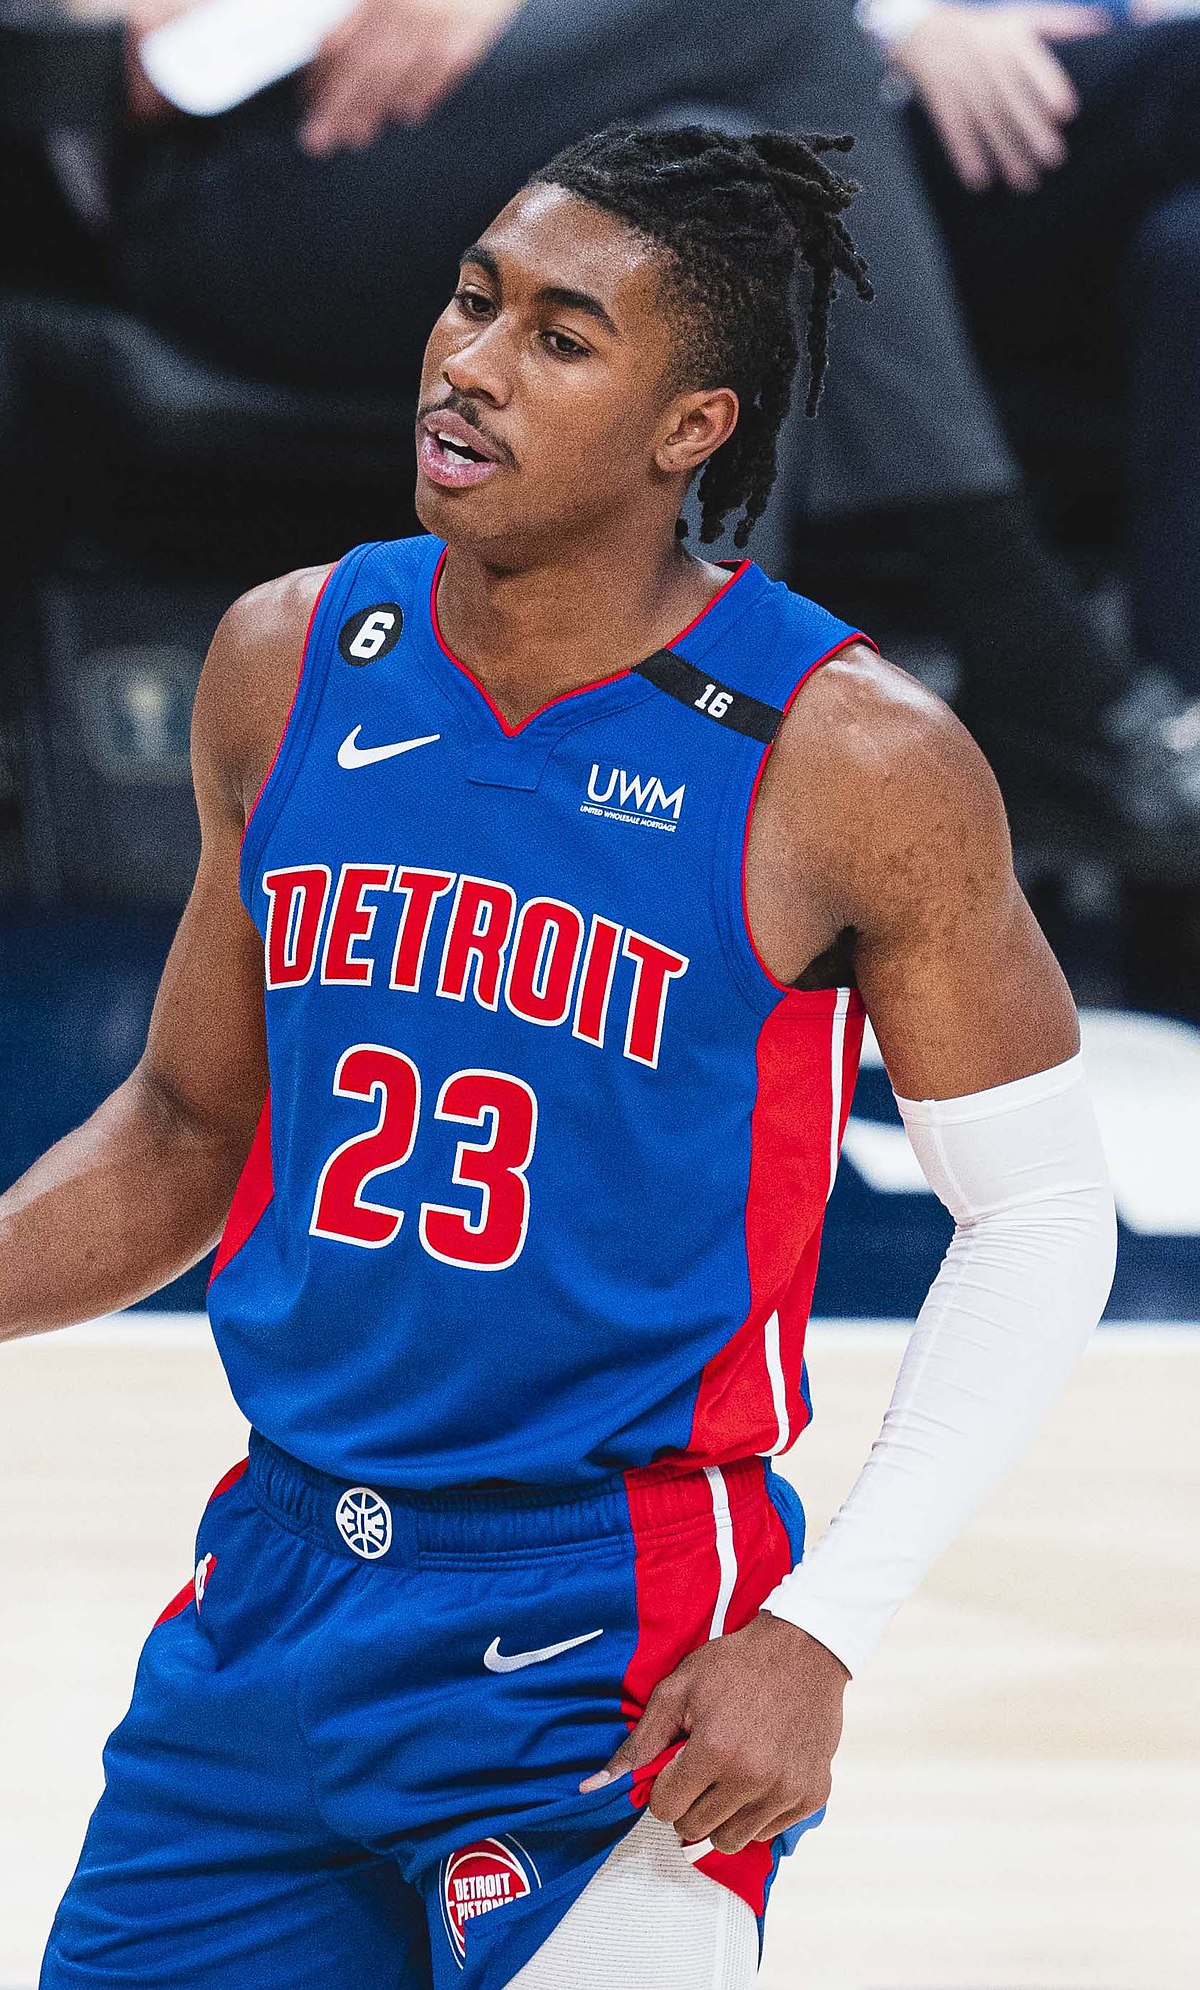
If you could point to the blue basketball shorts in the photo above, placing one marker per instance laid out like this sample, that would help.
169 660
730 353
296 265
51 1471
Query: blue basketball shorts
356 1737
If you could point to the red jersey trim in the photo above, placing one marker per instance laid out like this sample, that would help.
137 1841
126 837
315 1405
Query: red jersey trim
251 1197
597 684
262 786
741 567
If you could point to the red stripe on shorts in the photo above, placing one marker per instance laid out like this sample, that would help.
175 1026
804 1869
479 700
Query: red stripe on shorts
676 1573
679 1580
187 1594
178 1604
230 1479
764 1557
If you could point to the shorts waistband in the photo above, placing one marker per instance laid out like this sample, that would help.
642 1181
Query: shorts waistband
402 1528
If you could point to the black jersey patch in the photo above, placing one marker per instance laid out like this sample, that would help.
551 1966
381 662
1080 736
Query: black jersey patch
709 697
371 632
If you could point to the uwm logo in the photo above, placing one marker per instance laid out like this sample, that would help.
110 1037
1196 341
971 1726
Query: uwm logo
633 797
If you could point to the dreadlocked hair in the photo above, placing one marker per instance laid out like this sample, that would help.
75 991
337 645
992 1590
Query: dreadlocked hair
734 218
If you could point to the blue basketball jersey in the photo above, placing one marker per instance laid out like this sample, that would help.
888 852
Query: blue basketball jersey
538 1189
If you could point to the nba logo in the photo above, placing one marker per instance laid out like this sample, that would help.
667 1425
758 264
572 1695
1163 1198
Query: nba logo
477 1879
204 1568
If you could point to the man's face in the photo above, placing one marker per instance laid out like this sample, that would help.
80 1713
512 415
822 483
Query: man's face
544 394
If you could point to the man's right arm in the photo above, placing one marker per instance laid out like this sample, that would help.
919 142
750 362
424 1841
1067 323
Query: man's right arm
141 1190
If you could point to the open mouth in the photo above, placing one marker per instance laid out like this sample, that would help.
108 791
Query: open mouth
458 452
452 454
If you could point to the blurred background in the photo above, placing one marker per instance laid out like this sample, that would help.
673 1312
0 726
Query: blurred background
225 229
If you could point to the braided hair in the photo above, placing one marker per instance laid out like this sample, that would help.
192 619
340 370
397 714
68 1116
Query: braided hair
734 218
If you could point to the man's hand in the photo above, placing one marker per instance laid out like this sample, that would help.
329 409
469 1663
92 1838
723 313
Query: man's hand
395 61
143 103
761 1711
993 88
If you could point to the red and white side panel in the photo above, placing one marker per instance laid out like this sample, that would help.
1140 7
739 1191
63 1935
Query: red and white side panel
749 1400
709 1546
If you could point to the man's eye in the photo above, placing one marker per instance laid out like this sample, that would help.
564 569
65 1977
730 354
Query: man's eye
473 302
565 347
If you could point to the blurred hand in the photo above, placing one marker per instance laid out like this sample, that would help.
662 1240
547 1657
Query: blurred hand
395 60
762 1713
142 101
992 87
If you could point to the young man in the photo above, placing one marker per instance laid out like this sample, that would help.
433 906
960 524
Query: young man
498 1666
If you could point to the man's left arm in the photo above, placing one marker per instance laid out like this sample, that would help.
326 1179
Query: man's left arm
980 1038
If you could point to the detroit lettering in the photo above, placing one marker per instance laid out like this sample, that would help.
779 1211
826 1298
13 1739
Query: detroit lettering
480 1892
468 938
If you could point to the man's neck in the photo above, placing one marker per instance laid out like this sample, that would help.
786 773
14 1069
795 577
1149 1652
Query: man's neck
533 632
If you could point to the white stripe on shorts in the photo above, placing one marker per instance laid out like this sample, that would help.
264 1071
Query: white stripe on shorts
774 1357
726 1556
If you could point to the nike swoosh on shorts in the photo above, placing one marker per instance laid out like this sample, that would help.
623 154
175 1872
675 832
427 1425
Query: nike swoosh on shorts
351 754
496 1661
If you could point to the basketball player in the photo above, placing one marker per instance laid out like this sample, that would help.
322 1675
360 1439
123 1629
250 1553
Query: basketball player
547 875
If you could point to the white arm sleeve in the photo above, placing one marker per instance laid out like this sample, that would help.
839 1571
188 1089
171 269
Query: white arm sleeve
1023 1283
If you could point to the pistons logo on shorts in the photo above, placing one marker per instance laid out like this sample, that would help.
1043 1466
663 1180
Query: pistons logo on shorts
480 1877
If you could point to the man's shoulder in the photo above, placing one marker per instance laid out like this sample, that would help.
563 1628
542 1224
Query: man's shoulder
873 778
279 611
274 611
873 723
249 679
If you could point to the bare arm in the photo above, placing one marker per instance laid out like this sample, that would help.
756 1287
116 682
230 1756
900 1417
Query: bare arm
880 817
879 813
141 1190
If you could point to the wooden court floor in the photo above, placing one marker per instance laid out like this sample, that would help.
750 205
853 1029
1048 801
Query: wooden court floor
1018 1795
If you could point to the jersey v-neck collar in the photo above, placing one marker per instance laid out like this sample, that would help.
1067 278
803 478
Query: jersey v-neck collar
585 701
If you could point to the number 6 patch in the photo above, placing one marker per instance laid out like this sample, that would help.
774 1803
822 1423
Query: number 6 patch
371 632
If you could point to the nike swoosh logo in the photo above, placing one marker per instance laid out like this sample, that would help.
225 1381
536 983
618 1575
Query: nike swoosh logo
351 754
496 1661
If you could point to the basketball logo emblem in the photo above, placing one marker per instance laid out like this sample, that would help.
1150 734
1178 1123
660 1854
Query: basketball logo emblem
364 1522
493 1873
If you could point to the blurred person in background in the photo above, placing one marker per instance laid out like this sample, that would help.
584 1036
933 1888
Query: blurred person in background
254 238
1061 147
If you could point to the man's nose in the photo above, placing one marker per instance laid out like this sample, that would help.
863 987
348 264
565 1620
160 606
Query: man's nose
481 368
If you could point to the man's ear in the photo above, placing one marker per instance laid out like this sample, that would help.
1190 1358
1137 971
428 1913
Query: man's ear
697 424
